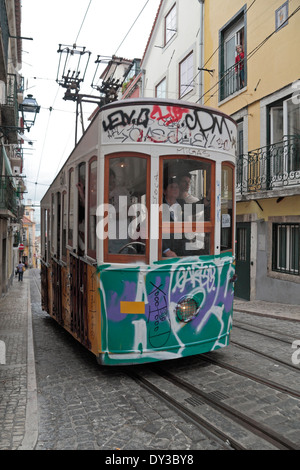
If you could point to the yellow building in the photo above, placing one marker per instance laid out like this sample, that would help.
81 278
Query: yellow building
28 239
259 87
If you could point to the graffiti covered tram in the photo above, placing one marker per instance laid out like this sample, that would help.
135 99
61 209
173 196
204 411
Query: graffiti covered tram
138 233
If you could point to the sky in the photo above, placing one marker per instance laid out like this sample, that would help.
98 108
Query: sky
120 27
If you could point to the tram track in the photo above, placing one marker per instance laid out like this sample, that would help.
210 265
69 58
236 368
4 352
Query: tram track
198 399
254 377
244 326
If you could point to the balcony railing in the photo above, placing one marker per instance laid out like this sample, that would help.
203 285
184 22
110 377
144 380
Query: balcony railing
8 195
233 79
272 167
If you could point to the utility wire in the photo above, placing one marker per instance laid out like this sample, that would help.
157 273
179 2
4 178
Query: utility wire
132 25
83 21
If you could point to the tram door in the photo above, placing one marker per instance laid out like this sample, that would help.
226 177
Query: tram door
79 317
44 283
57 292
243 239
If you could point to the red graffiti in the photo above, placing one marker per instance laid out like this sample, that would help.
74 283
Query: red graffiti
173 115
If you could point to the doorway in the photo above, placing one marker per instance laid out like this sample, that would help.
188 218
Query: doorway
243 240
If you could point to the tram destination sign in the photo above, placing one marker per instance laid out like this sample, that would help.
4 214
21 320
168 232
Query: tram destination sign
157 123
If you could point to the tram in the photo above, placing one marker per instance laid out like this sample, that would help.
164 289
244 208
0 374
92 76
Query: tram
138 230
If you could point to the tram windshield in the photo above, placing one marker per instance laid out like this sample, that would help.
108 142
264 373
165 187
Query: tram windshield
127 225
187 207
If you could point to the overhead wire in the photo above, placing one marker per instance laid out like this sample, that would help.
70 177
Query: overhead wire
132 26
52 107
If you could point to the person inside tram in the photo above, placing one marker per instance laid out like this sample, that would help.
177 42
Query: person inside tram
116 199
184 188
172 212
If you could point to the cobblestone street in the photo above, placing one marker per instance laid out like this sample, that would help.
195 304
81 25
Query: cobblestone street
78 404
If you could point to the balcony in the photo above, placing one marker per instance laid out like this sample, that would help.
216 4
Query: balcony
8 197
233 80
9 109
272 171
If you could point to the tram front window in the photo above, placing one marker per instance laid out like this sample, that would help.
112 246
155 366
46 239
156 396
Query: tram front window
127 197
187 218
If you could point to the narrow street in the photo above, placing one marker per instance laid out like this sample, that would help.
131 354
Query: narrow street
246 396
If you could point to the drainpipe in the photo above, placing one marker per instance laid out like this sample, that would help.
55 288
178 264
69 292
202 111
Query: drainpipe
201 51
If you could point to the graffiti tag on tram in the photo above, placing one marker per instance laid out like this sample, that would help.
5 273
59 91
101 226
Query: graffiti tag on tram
169 125
159 318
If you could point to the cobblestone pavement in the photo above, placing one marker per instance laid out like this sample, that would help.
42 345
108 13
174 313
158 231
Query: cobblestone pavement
56 396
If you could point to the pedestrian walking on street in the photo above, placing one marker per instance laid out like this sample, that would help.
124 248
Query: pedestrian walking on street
21 268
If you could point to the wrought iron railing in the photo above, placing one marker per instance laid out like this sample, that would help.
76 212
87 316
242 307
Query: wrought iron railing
8 195
270 167
233 79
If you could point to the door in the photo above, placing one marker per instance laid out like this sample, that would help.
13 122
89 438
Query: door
79 317
243 238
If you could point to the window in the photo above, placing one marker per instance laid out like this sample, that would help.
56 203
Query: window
161 89
58 219
127 194
187 216
64 227
186 75
170 24
286 248
227 199
232 58
92 207
81 208
284 155
71 207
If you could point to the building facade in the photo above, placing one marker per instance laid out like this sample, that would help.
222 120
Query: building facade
241 57
11 158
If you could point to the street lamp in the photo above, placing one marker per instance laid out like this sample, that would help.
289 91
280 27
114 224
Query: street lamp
29 109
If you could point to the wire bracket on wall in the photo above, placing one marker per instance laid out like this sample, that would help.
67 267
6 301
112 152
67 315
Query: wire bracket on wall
210 71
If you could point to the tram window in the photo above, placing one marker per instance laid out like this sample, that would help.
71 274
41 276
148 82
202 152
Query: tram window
92 208
187 225
81 208
64 227
58 205
71 208
226 207
44 234
127 197
52 223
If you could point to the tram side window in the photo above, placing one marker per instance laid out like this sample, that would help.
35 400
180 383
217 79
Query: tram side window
81 208
52 223
71 208
92 208
187 219
127 197
58 205
226 207
45 234
64 227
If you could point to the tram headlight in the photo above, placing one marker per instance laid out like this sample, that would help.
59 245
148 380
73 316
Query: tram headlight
187 309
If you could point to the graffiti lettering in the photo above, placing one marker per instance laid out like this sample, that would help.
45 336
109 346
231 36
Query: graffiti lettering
160 327
174 114
170 125
196 276
120 118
